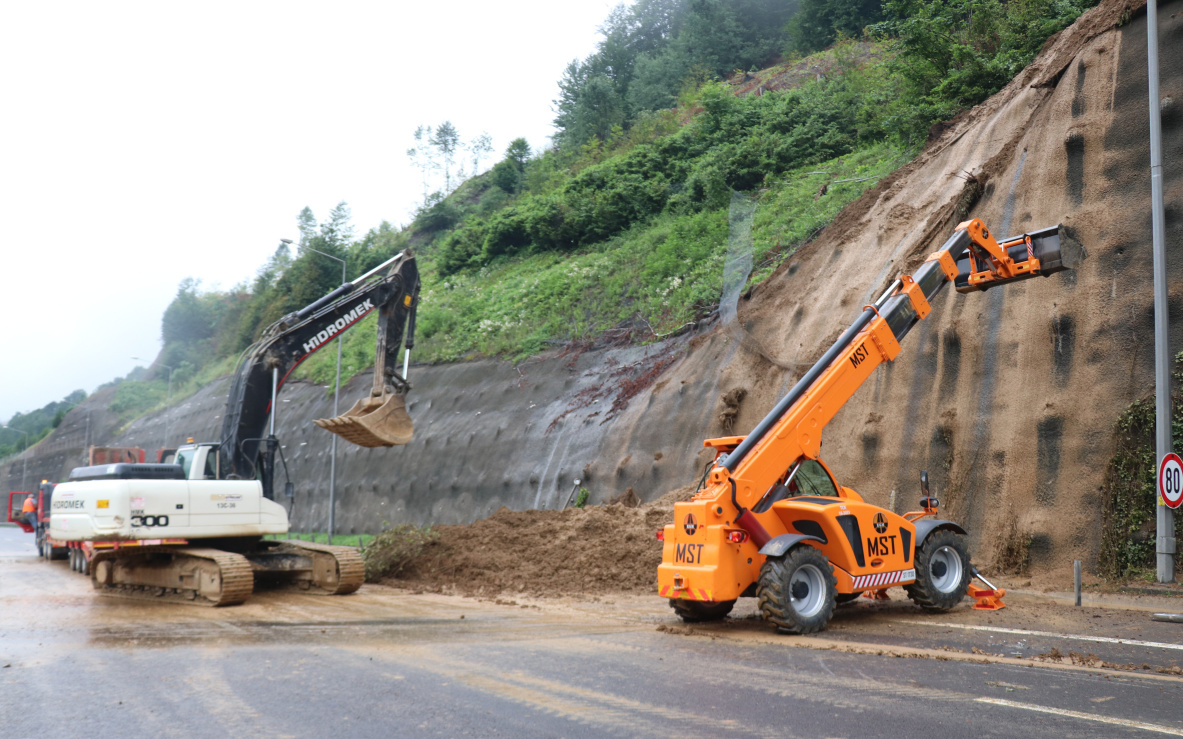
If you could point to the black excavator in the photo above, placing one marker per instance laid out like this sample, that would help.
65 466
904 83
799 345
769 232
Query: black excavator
194 531
380 419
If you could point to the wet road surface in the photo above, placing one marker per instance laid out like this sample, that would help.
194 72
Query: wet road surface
383 663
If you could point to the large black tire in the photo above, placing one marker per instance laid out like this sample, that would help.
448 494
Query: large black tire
845 598
943 572
694 611
73 559
796 591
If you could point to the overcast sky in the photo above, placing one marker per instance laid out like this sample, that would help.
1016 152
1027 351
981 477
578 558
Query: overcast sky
143 143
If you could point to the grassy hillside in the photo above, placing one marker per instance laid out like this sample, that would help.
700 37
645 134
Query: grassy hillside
620 231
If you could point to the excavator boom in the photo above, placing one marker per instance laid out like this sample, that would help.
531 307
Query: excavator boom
391 289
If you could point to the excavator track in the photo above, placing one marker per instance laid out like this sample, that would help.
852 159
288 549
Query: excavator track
335 570
198 576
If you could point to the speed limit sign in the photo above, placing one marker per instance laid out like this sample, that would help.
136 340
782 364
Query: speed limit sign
1170 480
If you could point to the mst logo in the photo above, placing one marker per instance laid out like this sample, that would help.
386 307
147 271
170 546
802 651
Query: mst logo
880 523
859 355
691 524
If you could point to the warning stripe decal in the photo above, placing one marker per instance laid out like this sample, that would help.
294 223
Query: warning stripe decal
883 579
685 594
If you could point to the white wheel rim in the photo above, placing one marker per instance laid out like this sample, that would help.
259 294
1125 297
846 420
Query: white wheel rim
951 579
812 598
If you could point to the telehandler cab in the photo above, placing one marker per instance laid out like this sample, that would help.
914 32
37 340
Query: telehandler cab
771 521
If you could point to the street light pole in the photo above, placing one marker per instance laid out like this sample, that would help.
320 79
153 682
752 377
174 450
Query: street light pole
1165 518
336 396
24 454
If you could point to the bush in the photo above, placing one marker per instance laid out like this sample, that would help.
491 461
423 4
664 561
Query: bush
391 551
506 175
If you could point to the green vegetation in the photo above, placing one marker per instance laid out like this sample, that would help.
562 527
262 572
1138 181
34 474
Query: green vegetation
620 231
391 551
35 425
954 54
1129 501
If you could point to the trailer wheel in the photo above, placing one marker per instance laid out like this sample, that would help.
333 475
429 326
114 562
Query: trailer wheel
796 591
694 611
53 552
943 572
83 564
73 559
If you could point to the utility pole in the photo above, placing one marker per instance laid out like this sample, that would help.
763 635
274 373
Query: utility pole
1162 355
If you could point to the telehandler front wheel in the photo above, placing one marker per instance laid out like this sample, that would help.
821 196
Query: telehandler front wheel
943 572
694 611
796 591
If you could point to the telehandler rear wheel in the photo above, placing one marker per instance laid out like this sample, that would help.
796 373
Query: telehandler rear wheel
943 572
694 611
796 591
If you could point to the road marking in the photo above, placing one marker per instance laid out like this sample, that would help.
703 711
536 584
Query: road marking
1025 632
1086 716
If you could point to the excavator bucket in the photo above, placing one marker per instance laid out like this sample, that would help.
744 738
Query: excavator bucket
373 422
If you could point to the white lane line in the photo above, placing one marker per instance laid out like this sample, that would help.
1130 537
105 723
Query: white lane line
1086 716
1025 632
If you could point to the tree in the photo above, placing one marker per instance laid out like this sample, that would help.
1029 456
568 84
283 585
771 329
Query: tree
480 147
506 176
188 318
818 22
654 48
518 152
277 264
446 141
423 157
306 222
337 231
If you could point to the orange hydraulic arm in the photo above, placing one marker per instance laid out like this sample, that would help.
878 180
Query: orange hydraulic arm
749 467
793 429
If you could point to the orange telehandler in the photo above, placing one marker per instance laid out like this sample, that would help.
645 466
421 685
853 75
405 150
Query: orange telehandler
772 521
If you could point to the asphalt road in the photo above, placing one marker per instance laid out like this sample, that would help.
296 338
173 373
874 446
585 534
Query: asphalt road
385 663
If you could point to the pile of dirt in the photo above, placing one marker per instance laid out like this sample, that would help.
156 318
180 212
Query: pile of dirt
611 548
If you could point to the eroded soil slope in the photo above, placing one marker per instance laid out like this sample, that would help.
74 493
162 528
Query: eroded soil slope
1007 398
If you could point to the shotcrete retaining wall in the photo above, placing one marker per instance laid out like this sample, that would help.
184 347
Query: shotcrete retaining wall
487 434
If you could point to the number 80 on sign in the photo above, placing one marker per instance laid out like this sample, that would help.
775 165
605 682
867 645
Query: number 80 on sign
1170 480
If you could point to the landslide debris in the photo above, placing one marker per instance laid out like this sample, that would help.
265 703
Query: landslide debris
610 548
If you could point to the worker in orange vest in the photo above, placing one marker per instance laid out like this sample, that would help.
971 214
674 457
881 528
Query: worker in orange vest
29 510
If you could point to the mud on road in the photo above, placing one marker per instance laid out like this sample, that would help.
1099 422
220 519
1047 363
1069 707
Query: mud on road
605 663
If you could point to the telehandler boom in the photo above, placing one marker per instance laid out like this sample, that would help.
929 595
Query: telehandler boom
771 520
